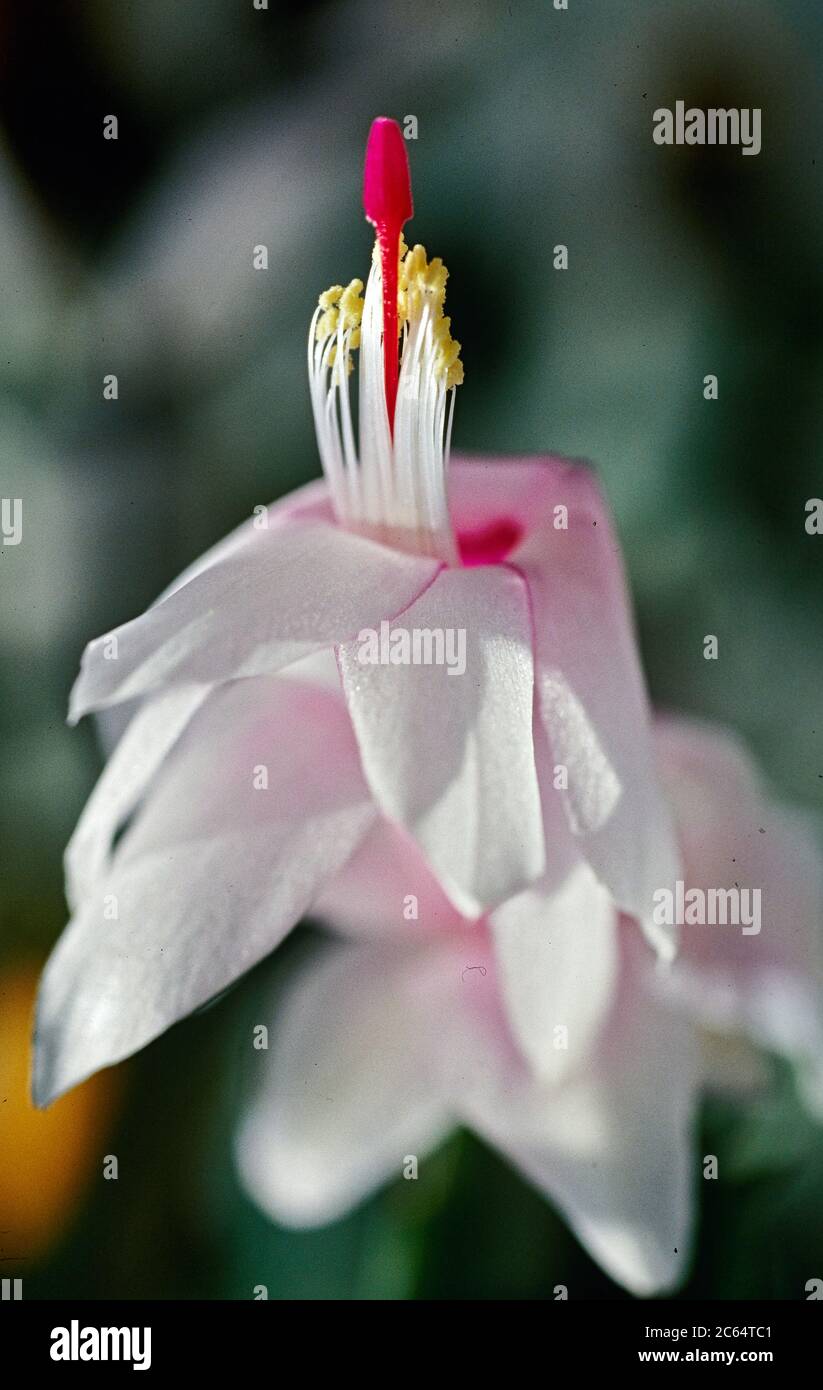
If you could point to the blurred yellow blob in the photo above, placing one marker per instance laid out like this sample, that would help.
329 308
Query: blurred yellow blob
47 1157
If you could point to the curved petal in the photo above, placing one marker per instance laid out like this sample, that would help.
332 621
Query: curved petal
761 976
557 963
209 878
591 695
352 1084
450 754
307 503
138 734
150 735
612 1146
270 598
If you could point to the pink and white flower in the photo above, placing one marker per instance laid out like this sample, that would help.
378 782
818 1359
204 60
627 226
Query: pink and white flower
388 1042
532 770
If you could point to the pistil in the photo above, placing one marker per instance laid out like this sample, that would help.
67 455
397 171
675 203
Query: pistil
387 200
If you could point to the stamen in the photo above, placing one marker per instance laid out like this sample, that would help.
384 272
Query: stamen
395 490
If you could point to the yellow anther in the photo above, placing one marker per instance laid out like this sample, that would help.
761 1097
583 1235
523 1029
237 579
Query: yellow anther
434 278
342 308
326 325
351 305
330 296
447 353
423 283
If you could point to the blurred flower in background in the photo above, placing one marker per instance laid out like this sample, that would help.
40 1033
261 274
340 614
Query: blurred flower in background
544 1028
47 1161
133 257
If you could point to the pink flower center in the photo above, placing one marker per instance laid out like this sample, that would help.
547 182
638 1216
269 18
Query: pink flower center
489 545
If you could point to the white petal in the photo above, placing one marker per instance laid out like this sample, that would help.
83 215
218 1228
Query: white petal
557 955
353 1081
593 701
148 738
307 503
270 598
208 879
612 1146
451 756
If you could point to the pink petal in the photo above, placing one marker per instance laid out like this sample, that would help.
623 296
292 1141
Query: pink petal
385 888
591 695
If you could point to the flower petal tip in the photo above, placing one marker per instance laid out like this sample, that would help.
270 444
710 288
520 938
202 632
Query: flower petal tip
44 1090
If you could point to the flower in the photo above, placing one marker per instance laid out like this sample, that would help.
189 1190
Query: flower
261 750
383 1046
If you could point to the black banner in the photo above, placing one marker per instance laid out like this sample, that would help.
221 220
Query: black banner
156 1337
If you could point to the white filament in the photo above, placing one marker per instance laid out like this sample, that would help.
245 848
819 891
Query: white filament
394 491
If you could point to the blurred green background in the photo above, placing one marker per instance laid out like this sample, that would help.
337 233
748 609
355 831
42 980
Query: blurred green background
239 127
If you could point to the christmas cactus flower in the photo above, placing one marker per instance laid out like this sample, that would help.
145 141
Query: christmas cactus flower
296 686
392 1039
